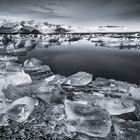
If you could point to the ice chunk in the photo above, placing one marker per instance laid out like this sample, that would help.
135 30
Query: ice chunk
49 79
15 92
93 121
79 79
50 93
29 44
15 52
36 69
21 109
12 66
31 63
135 93
8 58
20 44
2 65
19 78
4 106
14 78
10 47
55 79
101 82
34 64
115 106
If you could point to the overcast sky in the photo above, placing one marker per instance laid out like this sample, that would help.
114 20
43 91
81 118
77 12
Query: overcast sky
74 12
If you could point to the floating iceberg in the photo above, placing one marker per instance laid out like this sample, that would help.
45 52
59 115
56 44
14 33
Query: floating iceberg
29 44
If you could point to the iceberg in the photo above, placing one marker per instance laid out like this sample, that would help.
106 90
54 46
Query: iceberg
29 44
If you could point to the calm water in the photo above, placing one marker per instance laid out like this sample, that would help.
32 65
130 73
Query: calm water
68 59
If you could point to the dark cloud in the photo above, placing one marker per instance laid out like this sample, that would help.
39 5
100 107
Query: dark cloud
43 14
76 12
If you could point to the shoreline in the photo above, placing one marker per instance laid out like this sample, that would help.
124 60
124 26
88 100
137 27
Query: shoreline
48 100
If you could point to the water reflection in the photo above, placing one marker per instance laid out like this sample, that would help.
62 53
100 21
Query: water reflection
83 55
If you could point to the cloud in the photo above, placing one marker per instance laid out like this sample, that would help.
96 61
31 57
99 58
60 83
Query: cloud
33 9
43 13
73 11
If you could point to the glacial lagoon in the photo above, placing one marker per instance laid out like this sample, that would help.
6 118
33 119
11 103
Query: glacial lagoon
67 91
67 59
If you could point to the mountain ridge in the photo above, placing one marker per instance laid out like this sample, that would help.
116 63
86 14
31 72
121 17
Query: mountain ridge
31 26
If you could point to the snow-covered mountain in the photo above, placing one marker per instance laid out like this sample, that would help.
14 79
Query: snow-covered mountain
7 26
